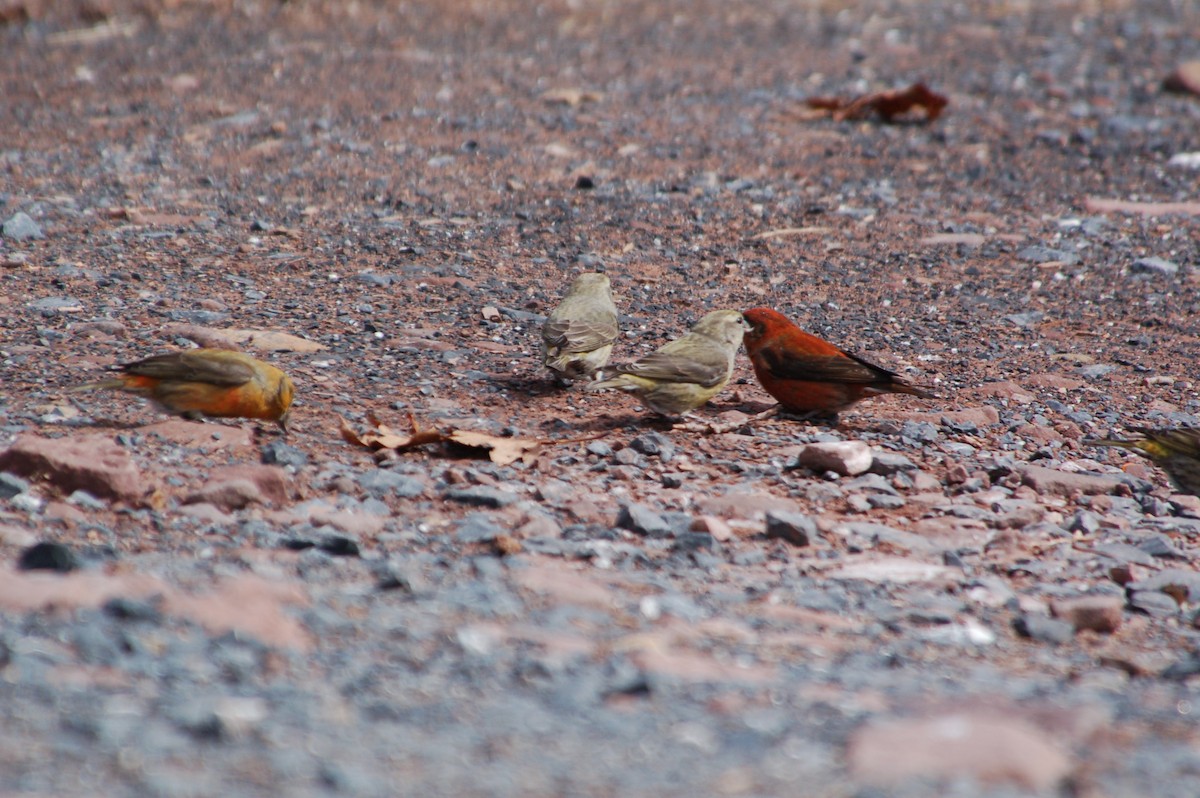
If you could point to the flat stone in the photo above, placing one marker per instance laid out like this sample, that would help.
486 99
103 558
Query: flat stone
482 496
1065 483
94 463
745 505
982 745
382 482
897 570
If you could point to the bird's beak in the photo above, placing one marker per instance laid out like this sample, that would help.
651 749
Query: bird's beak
283 421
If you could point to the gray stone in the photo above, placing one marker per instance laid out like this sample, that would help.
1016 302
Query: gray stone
477 528
381 482
20 226
642 520
654 444
280 453
1044 629
11 485
1178 582
1154 266
1154 603
1046 255
796 528
482 496
888 464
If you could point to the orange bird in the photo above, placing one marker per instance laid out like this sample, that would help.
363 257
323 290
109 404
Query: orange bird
808 375
207 382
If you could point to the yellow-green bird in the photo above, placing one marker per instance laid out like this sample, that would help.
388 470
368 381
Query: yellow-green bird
687 372
1176 451
578 336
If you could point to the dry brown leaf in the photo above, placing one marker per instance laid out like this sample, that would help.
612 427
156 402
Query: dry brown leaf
887 104
500 450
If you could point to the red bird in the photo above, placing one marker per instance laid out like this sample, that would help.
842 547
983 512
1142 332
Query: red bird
808 375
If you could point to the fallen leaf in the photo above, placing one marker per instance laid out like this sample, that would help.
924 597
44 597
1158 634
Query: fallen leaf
887 104
500 450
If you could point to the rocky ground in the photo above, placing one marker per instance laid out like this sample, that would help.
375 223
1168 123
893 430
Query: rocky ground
386 199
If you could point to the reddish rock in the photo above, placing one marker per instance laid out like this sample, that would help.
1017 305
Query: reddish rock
248 604
714 526
983 416
94 463
982 745
273 483
207 513
999 390
352 523
61 511
1096 613
1065 483
16 536
745 505
228 494
1184 79
847 458
206 436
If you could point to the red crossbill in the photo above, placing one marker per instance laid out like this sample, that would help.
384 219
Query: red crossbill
808 375
578 336
207 382
687 372
1176 451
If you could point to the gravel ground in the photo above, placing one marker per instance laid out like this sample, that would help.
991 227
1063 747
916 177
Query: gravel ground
386 199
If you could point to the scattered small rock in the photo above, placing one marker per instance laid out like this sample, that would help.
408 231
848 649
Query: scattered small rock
795 528
21 226
1044 629
642 520
1095 613
48 557
482 496
842 457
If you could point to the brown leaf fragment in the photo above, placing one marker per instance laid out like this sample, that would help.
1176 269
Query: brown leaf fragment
886 104
501 451
382 436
